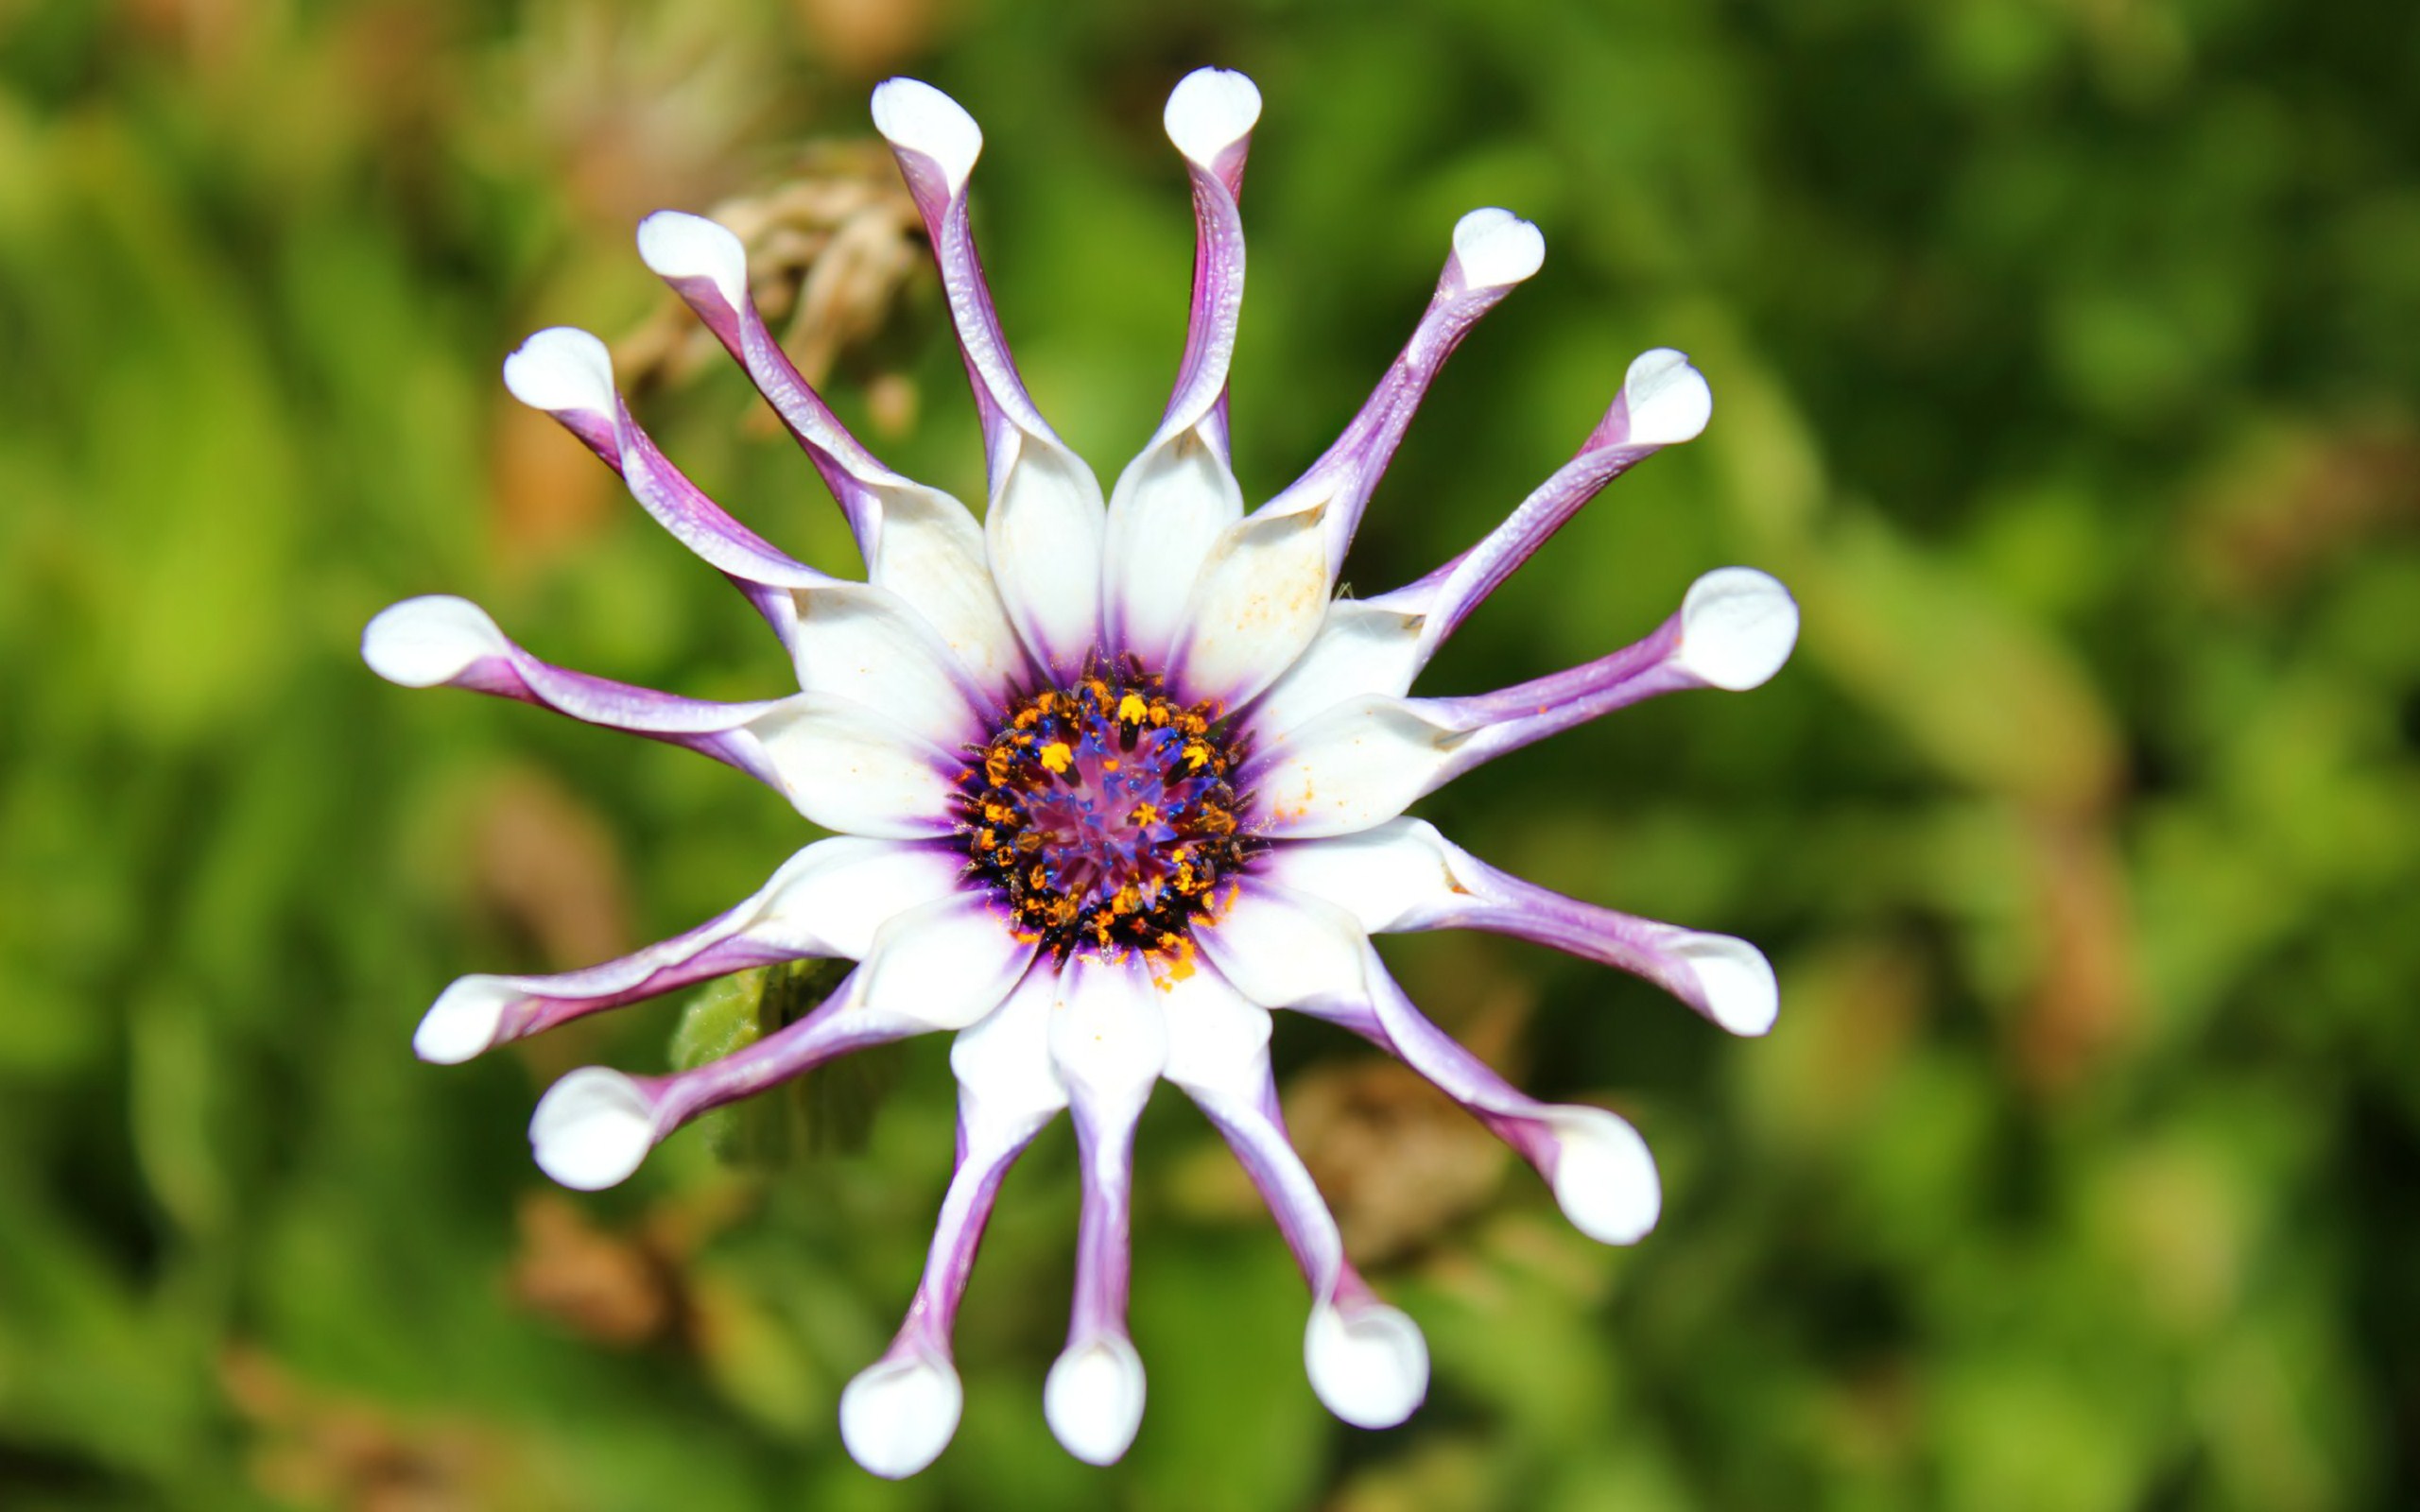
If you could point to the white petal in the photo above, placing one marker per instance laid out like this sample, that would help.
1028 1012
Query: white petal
930 551
856 772
1369 1365
1260 600
834 897
1737 625
1388 878
1108 1036
912 114
563 367
1668 400
422 643
464 1020
1210 111
1737 981
1005 1074
592 1129
1362 649
945 964
1094 1399
1044 535
1218 1040
898 1414
1604 1178
1495 247
863 644
1282 949
1168 510
1361 763
675 246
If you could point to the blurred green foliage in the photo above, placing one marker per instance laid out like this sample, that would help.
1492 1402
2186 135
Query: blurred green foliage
2066 354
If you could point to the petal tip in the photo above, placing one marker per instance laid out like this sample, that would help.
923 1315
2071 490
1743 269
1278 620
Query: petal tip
1094 1399
1736 979
428 642
915 117
677 246
463 1021
1496 249
1369 1366
592 1129
1209 111
1604 1177
1667 399
898 1414
562 369
1738 627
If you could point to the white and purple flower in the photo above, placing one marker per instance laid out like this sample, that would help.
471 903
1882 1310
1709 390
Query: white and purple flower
1108 780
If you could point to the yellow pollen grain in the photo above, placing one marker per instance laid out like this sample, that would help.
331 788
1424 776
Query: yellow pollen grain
1131 709
1056 755
1144 813
1109 765
1197 755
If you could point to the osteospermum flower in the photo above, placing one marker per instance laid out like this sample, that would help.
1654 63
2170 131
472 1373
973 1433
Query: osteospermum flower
1108 781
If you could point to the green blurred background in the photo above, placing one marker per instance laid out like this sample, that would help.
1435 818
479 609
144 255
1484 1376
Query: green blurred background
2065 355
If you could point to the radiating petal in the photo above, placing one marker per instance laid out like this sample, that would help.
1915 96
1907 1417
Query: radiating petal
1175 498
594 1127
441 641
1043 526
899 1413
1403 875
1258 601
828 899
1361 763
1108 1042
1493 250
1366 1361
918 542
1364 648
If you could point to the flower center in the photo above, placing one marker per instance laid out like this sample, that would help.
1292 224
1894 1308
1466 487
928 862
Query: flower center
1103 815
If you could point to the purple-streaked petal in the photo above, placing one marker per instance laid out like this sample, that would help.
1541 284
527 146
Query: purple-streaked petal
1175 498
918 542
1367 1361
1599 1169
899 1413
1663 402
442 641
1364 761
1109 1041
594 1127
948 962
1492 250
828 899
1256 605
1044 523
568 373
1404 876
1377 646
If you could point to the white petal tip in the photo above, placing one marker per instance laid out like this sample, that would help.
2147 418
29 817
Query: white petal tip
1094 1399
1496 249
463 1021
561 370
1369 1366
915 117
592 1129
898 1414
1604 1178
424 642
1738 627
1736 979
677 246
1667 399
1210 111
